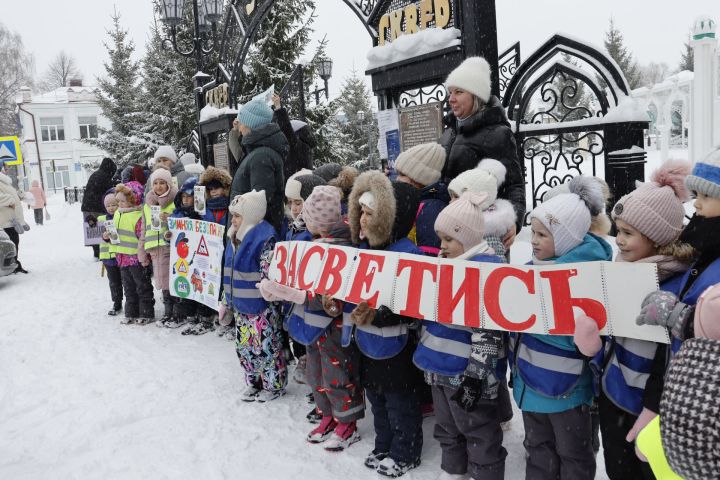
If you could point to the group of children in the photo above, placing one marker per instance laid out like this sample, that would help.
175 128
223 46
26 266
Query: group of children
354 352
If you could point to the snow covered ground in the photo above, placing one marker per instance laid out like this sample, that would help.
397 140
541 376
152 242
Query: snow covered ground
83 397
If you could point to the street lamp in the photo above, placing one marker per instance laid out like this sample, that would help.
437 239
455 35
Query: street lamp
206 14
325 72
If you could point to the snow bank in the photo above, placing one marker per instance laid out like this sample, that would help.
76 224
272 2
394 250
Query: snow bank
208 112
409 46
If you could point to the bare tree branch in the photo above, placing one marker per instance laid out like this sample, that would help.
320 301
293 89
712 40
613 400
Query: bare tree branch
17 70
60 71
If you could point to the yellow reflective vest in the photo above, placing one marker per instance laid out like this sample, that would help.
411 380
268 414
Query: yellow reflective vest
155 238
649 443
107 249
125 224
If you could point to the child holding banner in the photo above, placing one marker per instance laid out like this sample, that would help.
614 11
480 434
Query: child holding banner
552 382
158 207
258 324
381 214
107 255
649 221
465 387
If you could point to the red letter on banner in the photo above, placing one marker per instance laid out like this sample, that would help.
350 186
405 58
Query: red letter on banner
292 273
302 285
335 262
563 303
417 274
469 289
492 296
363 279
281 254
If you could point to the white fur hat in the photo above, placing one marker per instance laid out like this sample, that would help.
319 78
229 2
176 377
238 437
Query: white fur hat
473 75
485 178
165 151
252 207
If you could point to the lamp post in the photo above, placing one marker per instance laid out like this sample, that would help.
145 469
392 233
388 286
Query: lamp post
206 14
325 72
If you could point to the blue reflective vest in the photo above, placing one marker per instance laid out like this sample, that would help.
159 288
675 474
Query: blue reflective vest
306 325
242 271
375 342
445 349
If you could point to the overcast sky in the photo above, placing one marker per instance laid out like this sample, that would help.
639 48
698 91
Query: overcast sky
654 30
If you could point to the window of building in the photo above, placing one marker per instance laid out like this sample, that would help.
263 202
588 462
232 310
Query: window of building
57 177
52 129
88 127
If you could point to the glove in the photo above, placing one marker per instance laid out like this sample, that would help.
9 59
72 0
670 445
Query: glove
587 336
385 318
225 317
362 314
469 394
265 291
283 292
664 309
331 306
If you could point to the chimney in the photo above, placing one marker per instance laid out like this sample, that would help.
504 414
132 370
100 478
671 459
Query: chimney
76 82
26 94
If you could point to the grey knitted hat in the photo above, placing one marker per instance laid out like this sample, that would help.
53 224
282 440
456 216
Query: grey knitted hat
328 171
300 187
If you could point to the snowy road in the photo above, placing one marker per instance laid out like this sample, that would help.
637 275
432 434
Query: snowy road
83 397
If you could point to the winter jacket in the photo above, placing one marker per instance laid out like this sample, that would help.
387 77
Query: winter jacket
300 140
486 134
178 171
433 199
262 169
98 183
165 203
538 386
38 194
10 203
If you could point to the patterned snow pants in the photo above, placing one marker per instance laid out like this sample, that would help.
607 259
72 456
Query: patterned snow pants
259 347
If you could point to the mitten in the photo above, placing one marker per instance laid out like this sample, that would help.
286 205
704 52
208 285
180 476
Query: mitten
385 318
363 314
587 336
289 294
225 317
644 418
664 309
468 394
167 235
331 306
265 291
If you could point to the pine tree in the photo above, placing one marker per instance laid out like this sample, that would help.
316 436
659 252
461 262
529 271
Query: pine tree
615 46
687 60
118 98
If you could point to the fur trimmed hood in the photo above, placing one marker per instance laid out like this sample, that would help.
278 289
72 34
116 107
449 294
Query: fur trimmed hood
500 217
213 173
380 229
345 180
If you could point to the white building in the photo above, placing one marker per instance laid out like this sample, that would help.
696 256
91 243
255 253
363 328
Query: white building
53 127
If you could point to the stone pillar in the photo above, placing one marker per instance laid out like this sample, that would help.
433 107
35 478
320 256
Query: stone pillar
703 95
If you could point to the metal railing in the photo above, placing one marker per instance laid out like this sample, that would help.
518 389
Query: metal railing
73 194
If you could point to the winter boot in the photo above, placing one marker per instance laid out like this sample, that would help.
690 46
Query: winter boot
374 458
345 434
128 320
176 322
249 394
323 431
19 268
115 310
310 398
299 373
395 468
269 395
205 325
144 320
314 417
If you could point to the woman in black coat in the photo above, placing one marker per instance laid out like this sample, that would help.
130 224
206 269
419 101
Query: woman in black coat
98 183
478 128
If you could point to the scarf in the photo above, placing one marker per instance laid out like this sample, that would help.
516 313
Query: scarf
702 234
480 248
667 266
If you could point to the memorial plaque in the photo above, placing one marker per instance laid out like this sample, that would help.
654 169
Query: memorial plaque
220 153
421 124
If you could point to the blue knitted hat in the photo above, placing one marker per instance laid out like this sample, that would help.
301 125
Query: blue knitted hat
705 177
255 114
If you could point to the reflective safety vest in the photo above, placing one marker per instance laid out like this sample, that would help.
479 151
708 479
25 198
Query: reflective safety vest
125 225
107 249
549 370
155 238
649 442
375 342
241 271
306 326
627 363
445 349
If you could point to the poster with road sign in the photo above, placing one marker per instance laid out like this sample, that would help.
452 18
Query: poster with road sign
196 260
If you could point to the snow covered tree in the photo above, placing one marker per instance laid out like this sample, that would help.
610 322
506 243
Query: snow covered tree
615 46
687 60
17 71
653 73
118 98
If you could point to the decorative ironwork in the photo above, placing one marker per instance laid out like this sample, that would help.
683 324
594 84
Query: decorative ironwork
422 96
508 62
563 101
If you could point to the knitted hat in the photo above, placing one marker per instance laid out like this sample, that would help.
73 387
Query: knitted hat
705 176
188 158
655 208
133 191
252 207
109 196
321 209
567 216
328 171
293 188
485 178
473 75
707 314
690 411
463 220
188 186
165 151
255 114
161 174
422 163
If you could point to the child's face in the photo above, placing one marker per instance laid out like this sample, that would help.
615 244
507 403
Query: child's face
122 201
236 220
632 244
111 206
216 192
405 179
295 206
542 240
160 187
366 216
708 207
449 247
187 200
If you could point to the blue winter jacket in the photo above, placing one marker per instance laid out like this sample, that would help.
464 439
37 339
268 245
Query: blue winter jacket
433 199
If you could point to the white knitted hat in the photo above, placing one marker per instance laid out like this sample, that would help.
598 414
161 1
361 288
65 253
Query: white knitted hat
252 207
568 216
485 178
422 163
165 151
473 75
463 220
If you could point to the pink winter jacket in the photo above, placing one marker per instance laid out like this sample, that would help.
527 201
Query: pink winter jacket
38 194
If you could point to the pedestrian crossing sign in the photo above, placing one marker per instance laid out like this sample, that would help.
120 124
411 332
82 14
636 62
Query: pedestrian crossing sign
10 151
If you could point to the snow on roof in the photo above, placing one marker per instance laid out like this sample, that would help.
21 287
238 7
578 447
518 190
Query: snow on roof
409 46
64 95
208 112
682 78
